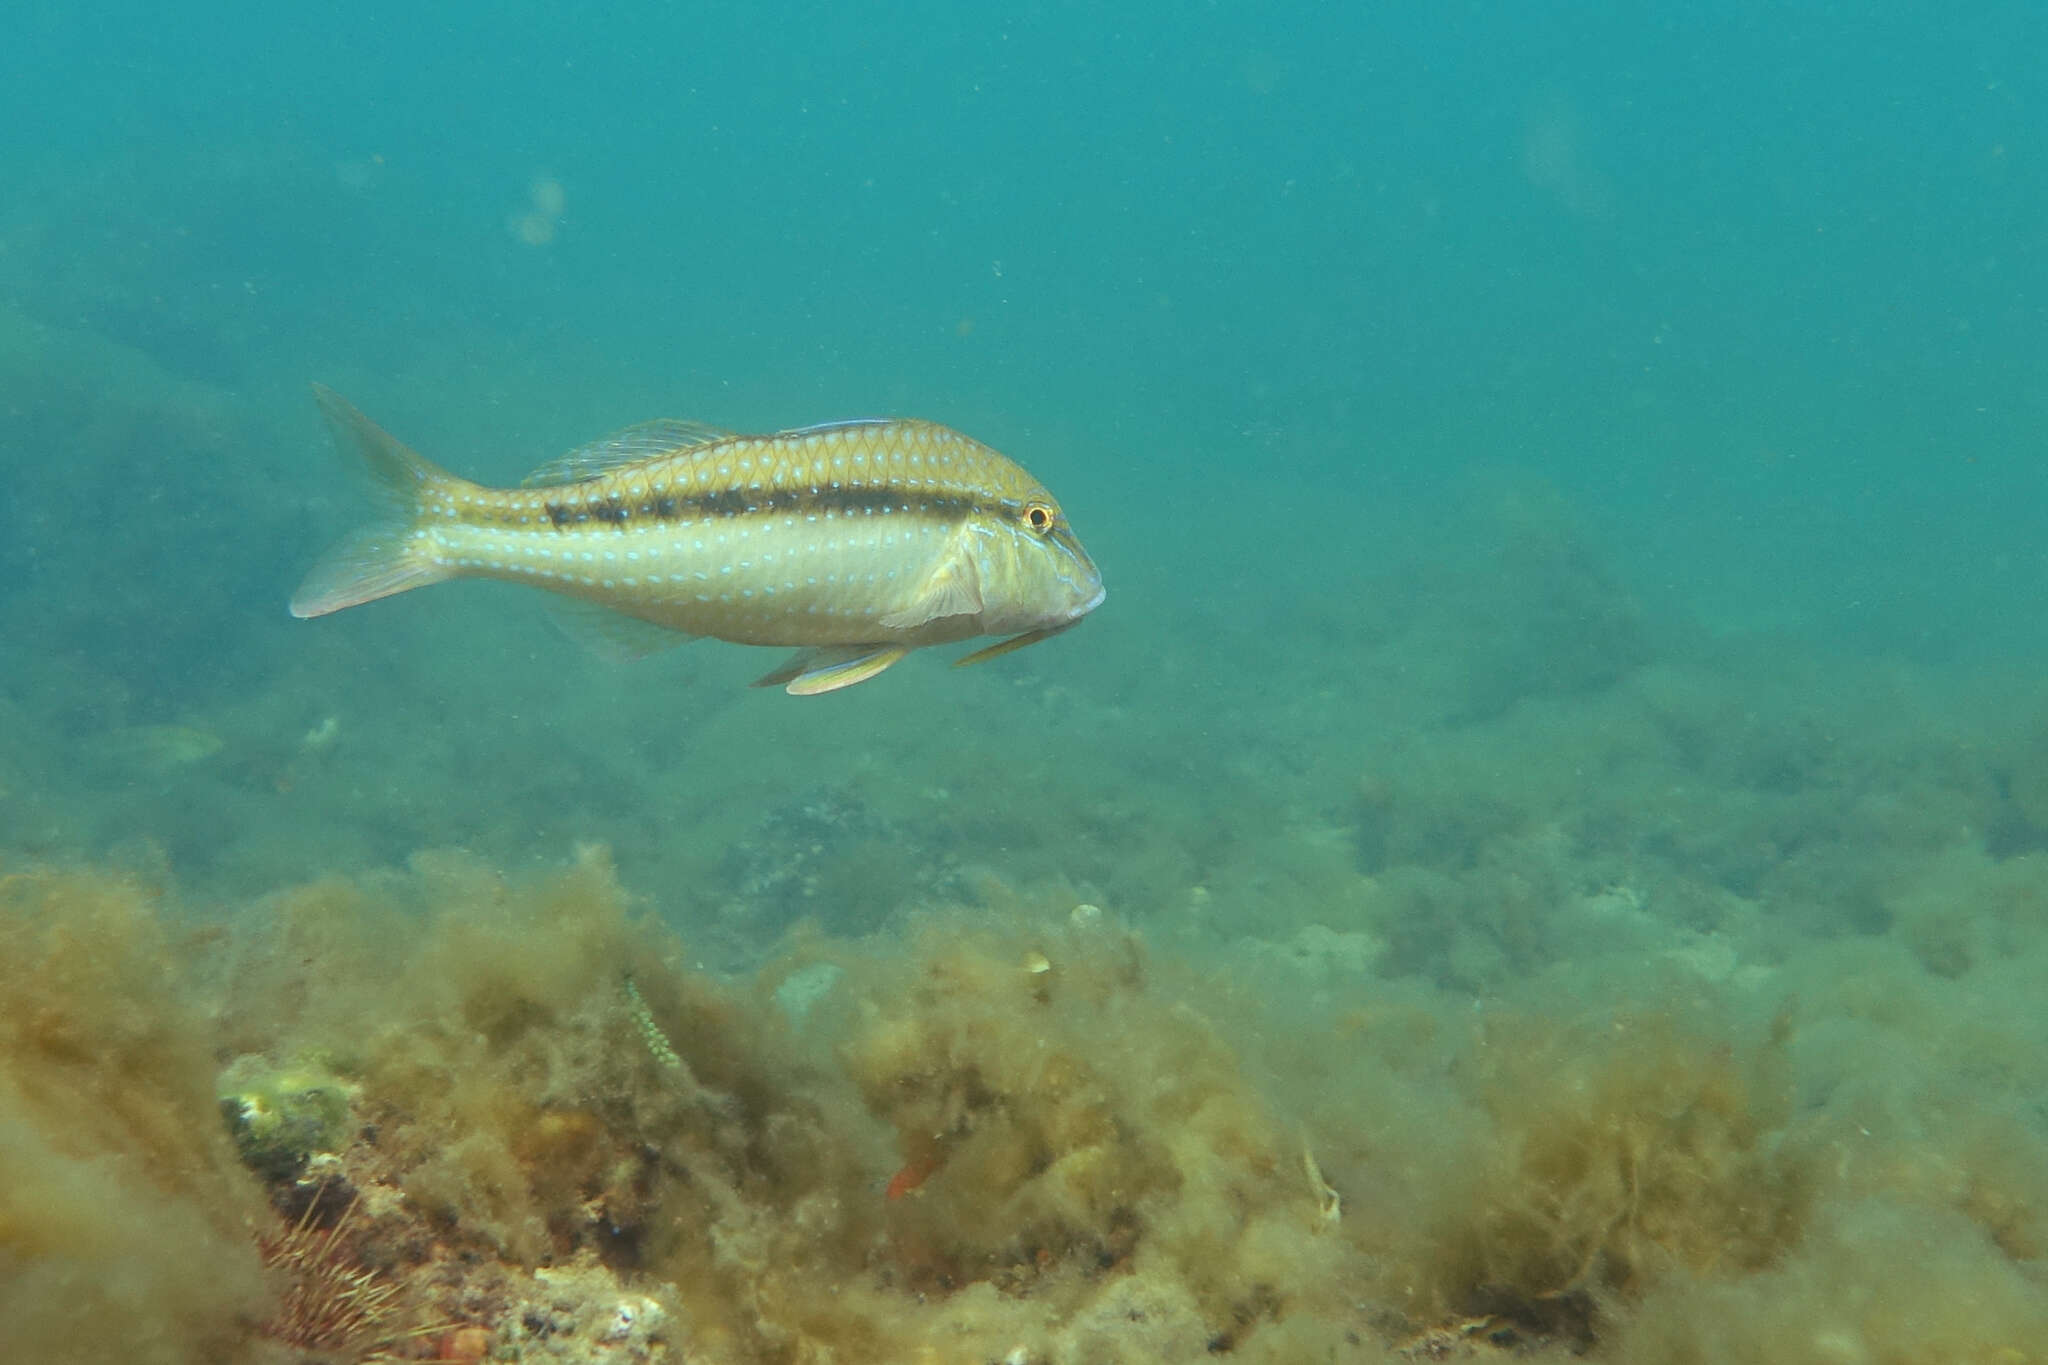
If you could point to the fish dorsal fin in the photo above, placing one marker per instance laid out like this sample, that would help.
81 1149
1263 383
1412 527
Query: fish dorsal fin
844 424
644 441
951 589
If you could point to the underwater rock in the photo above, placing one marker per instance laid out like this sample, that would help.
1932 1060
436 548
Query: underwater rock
581 1312
827 854
281 1116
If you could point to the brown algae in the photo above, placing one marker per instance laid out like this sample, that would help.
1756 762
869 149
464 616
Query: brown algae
558 1141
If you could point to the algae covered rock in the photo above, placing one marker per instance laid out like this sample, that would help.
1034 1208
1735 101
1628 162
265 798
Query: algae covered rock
281 1115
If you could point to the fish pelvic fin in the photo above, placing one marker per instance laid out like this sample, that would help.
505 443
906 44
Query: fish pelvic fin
1015 642
389 555
827 668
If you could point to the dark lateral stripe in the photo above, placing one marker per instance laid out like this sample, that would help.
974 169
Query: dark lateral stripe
737 502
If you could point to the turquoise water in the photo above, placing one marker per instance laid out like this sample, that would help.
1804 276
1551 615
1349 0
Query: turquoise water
1567 480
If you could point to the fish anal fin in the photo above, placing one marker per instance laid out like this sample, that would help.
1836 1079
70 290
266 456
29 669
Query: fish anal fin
809 672
628 445
952 589
612 634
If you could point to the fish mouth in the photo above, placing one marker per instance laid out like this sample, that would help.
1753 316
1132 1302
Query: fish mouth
1090 605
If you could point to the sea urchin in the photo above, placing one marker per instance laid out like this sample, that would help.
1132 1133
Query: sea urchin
330 1300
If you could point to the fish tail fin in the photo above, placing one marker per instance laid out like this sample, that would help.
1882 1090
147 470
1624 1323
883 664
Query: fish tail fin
387 556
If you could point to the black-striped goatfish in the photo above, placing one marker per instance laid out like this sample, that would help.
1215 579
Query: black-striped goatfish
855 542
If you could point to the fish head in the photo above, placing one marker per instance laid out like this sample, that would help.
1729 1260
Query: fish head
1033 572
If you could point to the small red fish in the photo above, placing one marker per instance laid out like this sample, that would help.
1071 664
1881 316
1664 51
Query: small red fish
913 1174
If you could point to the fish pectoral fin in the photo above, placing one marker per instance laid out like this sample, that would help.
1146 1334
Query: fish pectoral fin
952 589
1015 642
612 634
829 668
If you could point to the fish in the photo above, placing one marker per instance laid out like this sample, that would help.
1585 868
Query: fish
911 1175
852 542
156 748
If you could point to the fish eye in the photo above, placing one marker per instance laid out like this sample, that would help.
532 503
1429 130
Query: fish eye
1038 516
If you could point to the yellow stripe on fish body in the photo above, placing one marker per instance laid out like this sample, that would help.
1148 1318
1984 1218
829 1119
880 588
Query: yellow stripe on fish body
855 541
